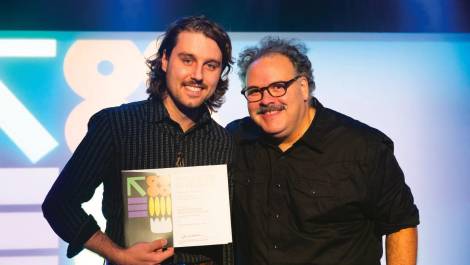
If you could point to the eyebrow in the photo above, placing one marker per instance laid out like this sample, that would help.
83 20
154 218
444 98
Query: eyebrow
190 55
280 81
184 54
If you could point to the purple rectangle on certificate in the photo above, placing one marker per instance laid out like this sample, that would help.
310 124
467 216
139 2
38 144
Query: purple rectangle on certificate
137 207
135 214
137 200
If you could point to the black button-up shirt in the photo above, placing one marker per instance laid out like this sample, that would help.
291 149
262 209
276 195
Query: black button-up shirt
137 135
326 200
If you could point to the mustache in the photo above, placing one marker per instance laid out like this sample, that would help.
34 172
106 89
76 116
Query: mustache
195 83
270 107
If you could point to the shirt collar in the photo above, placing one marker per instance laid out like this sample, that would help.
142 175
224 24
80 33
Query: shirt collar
319 127
157 112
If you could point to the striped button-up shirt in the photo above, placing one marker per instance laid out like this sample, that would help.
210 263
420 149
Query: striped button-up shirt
138 135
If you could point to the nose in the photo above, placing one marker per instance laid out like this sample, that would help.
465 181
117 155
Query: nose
197 73
267 98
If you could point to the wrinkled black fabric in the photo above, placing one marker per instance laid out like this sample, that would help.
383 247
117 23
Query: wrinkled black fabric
328 199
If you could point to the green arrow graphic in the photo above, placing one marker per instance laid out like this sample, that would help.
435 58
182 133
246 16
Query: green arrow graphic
132 182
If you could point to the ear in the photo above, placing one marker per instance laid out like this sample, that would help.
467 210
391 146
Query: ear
164 61
304 88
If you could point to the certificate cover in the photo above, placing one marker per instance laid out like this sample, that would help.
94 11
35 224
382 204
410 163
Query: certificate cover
189 206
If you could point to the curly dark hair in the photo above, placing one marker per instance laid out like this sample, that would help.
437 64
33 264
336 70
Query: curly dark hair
291 48
157 81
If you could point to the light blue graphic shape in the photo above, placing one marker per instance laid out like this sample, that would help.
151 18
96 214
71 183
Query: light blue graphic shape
23 128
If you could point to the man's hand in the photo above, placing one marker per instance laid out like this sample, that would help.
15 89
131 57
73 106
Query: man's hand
402 247
139 254
145 253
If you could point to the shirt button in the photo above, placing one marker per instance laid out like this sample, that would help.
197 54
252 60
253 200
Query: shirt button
278 186
275 246
277 216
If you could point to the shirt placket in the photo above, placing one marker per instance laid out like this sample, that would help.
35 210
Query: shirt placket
276 200
180 159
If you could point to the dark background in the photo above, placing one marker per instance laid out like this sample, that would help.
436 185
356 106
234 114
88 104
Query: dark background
427 16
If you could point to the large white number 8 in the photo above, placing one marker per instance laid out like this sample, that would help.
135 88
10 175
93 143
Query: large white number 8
98 89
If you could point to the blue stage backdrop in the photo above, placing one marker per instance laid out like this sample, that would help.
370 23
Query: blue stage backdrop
413 87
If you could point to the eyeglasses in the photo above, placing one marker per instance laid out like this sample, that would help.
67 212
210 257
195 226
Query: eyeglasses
276 89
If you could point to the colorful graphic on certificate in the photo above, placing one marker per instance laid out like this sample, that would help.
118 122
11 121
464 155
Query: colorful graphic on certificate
189 206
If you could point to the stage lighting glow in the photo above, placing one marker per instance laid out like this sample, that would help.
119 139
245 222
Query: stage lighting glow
26 231
413 87
17 194
28 48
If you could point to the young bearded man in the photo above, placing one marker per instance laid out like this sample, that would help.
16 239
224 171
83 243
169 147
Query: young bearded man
188 79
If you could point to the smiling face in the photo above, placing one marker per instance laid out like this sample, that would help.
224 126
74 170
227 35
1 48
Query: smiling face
289 115
192 71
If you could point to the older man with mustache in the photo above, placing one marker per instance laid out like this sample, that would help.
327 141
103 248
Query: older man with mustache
312 186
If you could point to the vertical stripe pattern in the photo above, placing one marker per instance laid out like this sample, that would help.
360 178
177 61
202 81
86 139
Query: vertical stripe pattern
138 135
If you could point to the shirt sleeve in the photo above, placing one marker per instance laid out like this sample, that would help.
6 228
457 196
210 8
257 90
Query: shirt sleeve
76 184
394 207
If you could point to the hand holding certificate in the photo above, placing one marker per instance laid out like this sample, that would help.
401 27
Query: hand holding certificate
188 206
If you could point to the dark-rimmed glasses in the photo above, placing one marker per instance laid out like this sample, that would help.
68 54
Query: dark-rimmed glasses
276 89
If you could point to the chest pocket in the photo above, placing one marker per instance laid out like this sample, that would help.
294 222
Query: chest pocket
250 190
327 194
312 199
